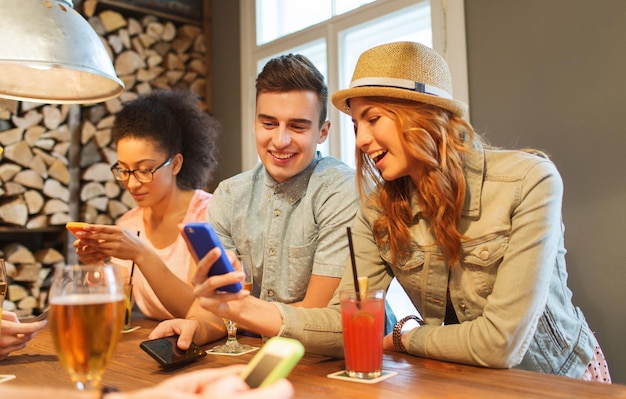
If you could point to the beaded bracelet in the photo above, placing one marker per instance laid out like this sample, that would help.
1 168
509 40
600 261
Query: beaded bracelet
397 331
107 389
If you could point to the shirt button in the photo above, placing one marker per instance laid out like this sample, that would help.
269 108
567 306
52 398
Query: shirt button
484 254
276 212
270 293
463 306
272 252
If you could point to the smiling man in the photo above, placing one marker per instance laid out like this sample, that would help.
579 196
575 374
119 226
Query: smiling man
288 215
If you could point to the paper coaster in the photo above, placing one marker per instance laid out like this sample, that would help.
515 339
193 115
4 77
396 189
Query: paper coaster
130 329
252 349
6 377
341 375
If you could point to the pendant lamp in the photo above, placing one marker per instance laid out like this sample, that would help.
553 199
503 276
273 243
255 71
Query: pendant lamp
49 53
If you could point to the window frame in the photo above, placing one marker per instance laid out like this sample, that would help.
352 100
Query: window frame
448 26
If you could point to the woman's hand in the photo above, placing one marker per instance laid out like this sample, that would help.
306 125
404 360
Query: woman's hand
14 335
216 383
222 304
97 242
388 343
184 328
252 313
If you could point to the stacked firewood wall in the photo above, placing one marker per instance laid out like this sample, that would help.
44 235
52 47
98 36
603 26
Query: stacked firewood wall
53 170
34 194
29 273
34 171
148 54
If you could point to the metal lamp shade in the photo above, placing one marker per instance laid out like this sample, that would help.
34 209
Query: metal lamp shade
49 53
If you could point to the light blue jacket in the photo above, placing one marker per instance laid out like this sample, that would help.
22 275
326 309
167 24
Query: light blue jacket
509 292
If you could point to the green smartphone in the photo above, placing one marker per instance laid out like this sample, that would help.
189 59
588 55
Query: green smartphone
274 361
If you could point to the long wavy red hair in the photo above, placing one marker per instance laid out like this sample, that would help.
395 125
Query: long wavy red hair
436 141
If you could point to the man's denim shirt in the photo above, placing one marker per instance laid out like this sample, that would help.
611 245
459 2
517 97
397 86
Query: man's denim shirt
290 230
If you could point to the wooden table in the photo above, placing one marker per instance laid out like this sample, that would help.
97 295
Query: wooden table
131 368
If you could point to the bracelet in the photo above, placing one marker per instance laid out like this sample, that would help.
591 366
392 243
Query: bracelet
397 331
107 389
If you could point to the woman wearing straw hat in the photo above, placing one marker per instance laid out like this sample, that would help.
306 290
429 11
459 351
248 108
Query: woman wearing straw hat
472 233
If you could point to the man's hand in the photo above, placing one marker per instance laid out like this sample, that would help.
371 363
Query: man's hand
184 328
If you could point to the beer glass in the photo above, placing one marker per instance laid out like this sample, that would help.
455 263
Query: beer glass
231 345
86 319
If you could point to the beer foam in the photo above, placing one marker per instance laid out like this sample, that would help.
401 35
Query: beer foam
86 299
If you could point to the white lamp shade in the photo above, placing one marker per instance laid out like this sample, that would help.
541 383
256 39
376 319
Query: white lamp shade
49 53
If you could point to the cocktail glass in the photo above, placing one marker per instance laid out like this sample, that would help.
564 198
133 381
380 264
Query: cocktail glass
363 321
232 345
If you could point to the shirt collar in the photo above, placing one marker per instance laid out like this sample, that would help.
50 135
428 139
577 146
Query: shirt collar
295 187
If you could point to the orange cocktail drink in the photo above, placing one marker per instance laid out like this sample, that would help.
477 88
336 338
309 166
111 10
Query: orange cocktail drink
363 329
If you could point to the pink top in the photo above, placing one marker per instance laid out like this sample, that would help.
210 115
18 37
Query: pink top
175 256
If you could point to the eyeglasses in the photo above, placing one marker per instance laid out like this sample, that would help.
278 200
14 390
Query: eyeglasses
142 175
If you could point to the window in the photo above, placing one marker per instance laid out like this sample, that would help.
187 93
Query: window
278 18
410 24
333 33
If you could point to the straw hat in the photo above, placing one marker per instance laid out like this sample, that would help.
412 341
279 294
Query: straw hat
405 70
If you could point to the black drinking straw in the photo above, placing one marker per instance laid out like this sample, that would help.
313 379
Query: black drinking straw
132 267
354 275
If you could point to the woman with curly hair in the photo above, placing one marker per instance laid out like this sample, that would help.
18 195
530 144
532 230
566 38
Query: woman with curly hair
166 148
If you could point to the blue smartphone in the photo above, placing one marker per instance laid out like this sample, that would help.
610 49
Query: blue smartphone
203 238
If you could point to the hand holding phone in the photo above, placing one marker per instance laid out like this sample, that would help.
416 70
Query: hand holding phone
75 227
203 238
274 361
166 352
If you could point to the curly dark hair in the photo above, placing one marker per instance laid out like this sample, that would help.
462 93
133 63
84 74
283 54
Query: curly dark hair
174 122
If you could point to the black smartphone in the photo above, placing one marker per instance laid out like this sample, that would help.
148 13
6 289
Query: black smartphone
203 238
274 361
165 351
